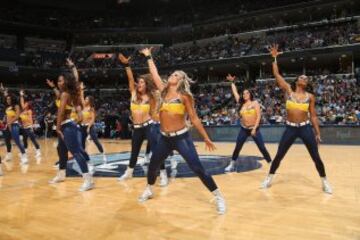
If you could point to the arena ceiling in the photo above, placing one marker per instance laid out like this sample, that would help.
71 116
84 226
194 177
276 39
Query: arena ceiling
87 4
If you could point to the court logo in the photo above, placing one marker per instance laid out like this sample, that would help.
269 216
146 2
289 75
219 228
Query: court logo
175 165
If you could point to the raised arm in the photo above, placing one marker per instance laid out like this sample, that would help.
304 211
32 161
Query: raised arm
51 84
153 69
82 95
314 119
234 90
3 90
189 105
125 62
22 101
73 68
274 51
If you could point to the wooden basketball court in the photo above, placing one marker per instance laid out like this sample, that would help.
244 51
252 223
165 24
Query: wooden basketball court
293 208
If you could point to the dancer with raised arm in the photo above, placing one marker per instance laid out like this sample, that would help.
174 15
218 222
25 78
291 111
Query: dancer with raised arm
66 127
300 107
12 113
250 114
87 125
176 103
69 99
143 104
26 118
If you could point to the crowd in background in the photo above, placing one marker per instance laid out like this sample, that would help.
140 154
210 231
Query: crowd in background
337 102
230 45
233 46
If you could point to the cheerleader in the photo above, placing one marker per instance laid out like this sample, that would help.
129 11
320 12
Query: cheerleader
300 107
26 119
250 113
12 113
66 128
143 104
87 125
176 103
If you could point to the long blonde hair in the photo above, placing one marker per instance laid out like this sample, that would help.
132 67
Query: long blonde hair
183 85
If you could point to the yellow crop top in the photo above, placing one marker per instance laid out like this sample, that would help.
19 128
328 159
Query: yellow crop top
10 112
143 107
57 103
73 114
25 117
173 106
248 111
86 115
294 104
135 106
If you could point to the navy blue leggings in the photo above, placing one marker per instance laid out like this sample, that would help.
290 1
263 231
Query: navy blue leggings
151 133
258 139
138 137
93 136
306 134
29 133
63 153
185 146
15 134
154 140
7 138
72 138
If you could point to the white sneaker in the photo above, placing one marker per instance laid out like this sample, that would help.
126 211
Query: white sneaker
326 186
146 195
88 183
231 166
220 202
1 171
8 156
24 159
37 153
91 168
127 174
60 177
104 158
267 182
163 178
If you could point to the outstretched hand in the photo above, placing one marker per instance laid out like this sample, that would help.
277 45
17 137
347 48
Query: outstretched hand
69 62
146 51
123 59
318 139
22 92
209 145
274 50
82 86
230 77
50 83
